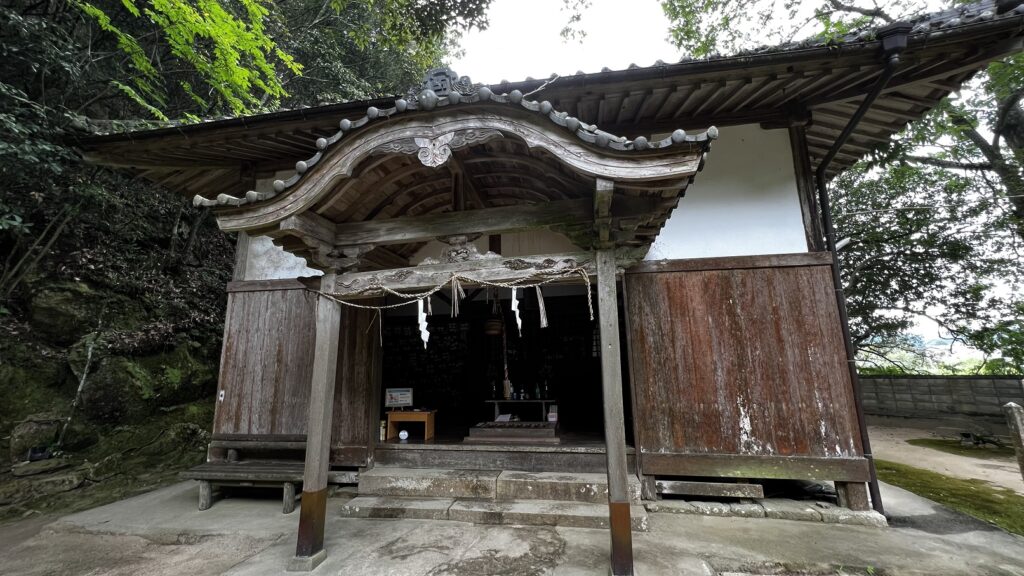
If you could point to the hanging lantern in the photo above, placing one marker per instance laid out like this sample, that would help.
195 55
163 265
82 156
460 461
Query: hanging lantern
493 326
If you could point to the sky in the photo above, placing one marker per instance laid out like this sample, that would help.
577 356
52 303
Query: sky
524 40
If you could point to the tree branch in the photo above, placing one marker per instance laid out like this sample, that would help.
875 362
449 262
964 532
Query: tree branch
952 164
1004 109
871 12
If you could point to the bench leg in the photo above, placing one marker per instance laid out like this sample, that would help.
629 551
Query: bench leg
232 455
289 498
205 495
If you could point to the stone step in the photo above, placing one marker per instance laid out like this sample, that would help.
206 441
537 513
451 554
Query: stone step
541 513
429 483
588 487
397 507
522 512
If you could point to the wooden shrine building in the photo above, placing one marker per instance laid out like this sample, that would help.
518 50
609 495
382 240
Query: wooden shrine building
668 224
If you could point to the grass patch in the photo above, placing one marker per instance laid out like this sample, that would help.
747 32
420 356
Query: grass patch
987 452
1002 507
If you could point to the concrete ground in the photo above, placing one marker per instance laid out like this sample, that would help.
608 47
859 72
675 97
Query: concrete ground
162 533
889 442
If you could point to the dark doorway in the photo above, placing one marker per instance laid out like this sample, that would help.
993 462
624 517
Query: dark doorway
463 366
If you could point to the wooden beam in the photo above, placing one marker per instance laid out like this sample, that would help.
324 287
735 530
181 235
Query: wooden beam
714 489
733 262
308 226
309 549
406 229
603 211
458 188
688 122
805 188
745 466
614 420
364 284
469 189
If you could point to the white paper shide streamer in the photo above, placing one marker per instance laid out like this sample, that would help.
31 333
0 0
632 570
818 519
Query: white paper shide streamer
515 310
422 316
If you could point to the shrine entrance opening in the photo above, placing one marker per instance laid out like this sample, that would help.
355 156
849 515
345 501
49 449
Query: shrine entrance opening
553 396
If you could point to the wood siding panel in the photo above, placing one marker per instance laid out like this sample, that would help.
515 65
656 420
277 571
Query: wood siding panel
740 361
357 396
266 363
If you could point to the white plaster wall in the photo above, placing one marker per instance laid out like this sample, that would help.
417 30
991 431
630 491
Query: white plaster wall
743 203
268 261
264 259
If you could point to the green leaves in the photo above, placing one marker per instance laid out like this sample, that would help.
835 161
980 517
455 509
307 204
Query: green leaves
227 44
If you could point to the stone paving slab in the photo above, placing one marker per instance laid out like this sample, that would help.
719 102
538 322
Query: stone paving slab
163 534
541 513
783 509
429 483
397 507
567 487
774 508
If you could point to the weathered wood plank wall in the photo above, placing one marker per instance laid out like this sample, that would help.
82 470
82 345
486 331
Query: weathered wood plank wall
266 365
357 395
266 360
741 356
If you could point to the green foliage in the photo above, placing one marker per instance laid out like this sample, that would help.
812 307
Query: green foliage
226 43
416 24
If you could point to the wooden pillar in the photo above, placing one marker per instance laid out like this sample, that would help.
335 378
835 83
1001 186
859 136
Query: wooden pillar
309 550
614 424
1015 420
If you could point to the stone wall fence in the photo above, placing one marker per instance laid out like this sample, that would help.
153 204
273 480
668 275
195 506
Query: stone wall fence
940 396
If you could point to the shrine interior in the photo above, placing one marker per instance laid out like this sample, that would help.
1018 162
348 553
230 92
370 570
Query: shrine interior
461 371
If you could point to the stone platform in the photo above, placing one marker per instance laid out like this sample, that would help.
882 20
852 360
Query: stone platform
578 500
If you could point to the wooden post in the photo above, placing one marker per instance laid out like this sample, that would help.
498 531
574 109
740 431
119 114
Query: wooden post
1015 420
309 550
853 495
614 425
241 257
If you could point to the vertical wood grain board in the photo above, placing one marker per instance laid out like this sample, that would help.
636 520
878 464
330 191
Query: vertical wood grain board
266 362
357 393
740 359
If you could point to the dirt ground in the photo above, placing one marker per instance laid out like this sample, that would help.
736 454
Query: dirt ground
889 442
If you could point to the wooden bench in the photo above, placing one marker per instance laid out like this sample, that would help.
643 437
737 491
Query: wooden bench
255 473
238 445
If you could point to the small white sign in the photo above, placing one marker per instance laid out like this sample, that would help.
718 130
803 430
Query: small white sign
397 397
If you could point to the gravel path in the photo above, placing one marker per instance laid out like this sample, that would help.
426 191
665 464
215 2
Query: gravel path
890 443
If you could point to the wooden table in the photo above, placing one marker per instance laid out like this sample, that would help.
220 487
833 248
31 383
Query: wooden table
424 416
544 403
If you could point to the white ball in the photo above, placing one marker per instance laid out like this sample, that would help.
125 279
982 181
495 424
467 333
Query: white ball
403 435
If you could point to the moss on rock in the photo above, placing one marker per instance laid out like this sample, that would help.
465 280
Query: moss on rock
117 391
178 376
30 382
63 312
